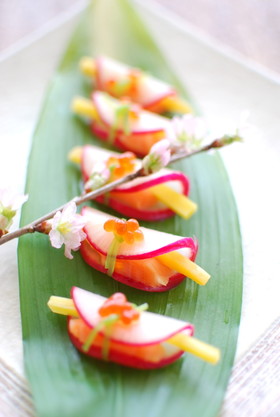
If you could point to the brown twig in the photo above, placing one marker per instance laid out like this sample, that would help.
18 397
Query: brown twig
34 226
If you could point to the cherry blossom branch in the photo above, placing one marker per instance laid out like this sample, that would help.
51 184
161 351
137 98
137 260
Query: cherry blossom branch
36 225
215 144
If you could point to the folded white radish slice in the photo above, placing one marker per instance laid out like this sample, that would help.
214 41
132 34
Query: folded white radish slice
114 329
143 122
126 125
121 80
149 329
139 344
155 243
137 198
157 262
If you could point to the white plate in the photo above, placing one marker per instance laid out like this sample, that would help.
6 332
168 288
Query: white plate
223 87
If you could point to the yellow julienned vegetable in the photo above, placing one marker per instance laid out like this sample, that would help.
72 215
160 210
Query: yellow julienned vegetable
87 66
177 202
194 346
84 107
75 155
62 305
176 261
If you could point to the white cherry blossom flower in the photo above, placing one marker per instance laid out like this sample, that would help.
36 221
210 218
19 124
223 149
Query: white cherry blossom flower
67 228
99 177
158 157
187 131
10 202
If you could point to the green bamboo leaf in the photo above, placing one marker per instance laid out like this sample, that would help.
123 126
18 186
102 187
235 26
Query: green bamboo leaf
63 381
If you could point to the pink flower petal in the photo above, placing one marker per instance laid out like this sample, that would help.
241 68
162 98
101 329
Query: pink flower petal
67 228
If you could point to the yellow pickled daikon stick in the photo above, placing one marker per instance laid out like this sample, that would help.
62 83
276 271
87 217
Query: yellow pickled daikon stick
62 305
84 107
178 262
75 155
177 202
177 105
87 66
196 347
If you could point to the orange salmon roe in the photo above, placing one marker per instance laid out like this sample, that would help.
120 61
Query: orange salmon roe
127 87
117 88
126 229
118 304
134 77
121 165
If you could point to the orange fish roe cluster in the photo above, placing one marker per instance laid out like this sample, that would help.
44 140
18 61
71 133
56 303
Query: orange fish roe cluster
126 229
127 87
118 304
117 88
134 76
121 165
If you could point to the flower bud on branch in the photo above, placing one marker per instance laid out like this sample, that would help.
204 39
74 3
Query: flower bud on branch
158 157
10 202
65 230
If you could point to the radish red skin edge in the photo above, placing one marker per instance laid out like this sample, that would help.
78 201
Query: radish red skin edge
85 304
175 280
103 134
89 248
122 359
137 214
147 215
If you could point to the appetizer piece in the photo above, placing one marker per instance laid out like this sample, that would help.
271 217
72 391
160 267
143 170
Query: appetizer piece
116 330
120 80
122 123
139 257
154 197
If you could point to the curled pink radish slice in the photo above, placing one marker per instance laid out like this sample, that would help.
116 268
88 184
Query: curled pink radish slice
140 264
155 243
149 329
146 91
142 343
126 125
135 198
143 123
116 330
